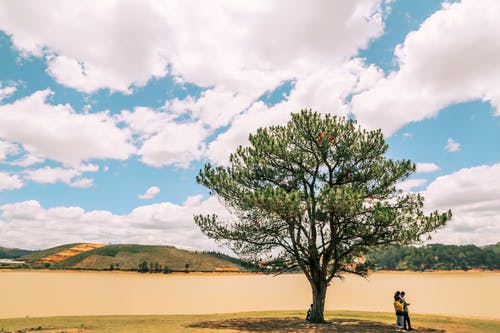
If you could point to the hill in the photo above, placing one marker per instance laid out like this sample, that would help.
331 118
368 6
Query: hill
39 255
145 258
435 257
8 253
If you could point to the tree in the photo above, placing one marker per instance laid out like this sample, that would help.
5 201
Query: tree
317 193
143 267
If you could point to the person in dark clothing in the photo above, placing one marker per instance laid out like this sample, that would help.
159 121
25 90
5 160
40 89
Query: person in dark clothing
406 316
309 313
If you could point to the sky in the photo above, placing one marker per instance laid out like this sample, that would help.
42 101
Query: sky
109 109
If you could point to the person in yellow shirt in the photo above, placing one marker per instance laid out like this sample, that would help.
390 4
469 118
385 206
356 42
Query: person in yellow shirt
398 307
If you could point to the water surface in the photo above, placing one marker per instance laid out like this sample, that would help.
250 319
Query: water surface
49 293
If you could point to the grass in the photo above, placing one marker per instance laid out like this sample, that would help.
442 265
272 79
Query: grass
252 322
37 255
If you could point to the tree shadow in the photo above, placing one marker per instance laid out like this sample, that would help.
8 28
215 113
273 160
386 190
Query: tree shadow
296 325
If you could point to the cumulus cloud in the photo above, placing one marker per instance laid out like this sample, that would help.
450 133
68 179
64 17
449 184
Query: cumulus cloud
426 167
10 182
6 92
215 107
140 38
452 146
7 148
150 193
473 195
437 69
177 144
137 42
410 184
123 43
70 176
29 225
56 132
27 160
324 89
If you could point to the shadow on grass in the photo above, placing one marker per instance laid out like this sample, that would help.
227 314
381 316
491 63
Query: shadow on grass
296 325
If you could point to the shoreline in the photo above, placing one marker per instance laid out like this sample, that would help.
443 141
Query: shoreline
205 273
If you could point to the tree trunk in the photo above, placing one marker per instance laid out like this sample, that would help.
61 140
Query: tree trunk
319 287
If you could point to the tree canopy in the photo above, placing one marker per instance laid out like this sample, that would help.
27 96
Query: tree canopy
316 193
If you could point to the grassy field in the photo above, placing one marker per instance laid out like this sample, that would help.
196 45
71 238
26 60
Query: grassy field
262 322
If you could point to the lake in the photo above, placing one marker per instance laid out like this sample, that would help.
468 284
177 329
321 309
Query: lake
53 293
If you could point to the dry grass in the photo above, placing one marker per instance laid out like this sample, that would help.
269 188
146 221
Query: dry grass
252 322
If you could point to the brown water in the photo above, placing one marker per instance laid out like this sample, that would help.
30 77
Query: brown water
41 293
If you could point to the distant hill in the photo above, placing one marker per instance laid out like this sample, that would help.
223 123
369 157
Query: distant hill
8 253
493 247
39 255
435 257
133 257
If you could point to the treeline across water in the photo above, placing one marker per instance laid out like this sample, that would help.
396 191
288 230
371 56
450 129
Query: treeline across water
435 257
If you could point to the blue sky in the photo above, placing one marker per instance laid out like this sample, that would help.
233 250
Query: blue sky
105 120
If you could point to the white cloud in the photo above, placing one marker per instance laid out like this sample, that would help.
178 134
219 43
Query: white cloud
27 160
409 184
145 122
9 181
163 139
215 107
473 195
437 69
426 167
150 193
323 89
70 176
6 149
82 183
122 44
216 43
177 143
29 225
56 132
452 146
6 92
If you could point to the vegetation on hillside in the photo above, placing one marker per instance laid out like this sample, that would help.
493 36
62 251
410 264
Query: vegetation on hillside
146 258
436 257
38 255
165 259
8 253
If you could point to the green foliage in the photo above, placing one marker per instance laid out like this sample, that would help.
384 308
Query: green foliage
8 253
316 193
435 257
143 267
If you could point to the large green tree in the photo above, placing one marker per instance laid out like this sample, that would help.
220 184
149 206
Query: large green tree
315 194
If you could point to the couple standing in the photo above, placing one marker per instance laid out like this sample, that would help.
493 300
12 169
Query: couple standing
401 307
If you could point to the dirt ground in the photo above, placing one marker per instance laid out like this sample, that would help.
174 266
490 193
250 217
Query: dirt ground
295 325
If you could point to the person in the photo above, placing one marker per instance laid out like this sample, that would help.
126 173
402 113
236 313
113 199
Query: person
406 316
309 313
398 307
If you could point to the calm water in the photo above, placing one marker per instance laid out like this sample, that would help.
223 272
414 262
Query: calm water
80 293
